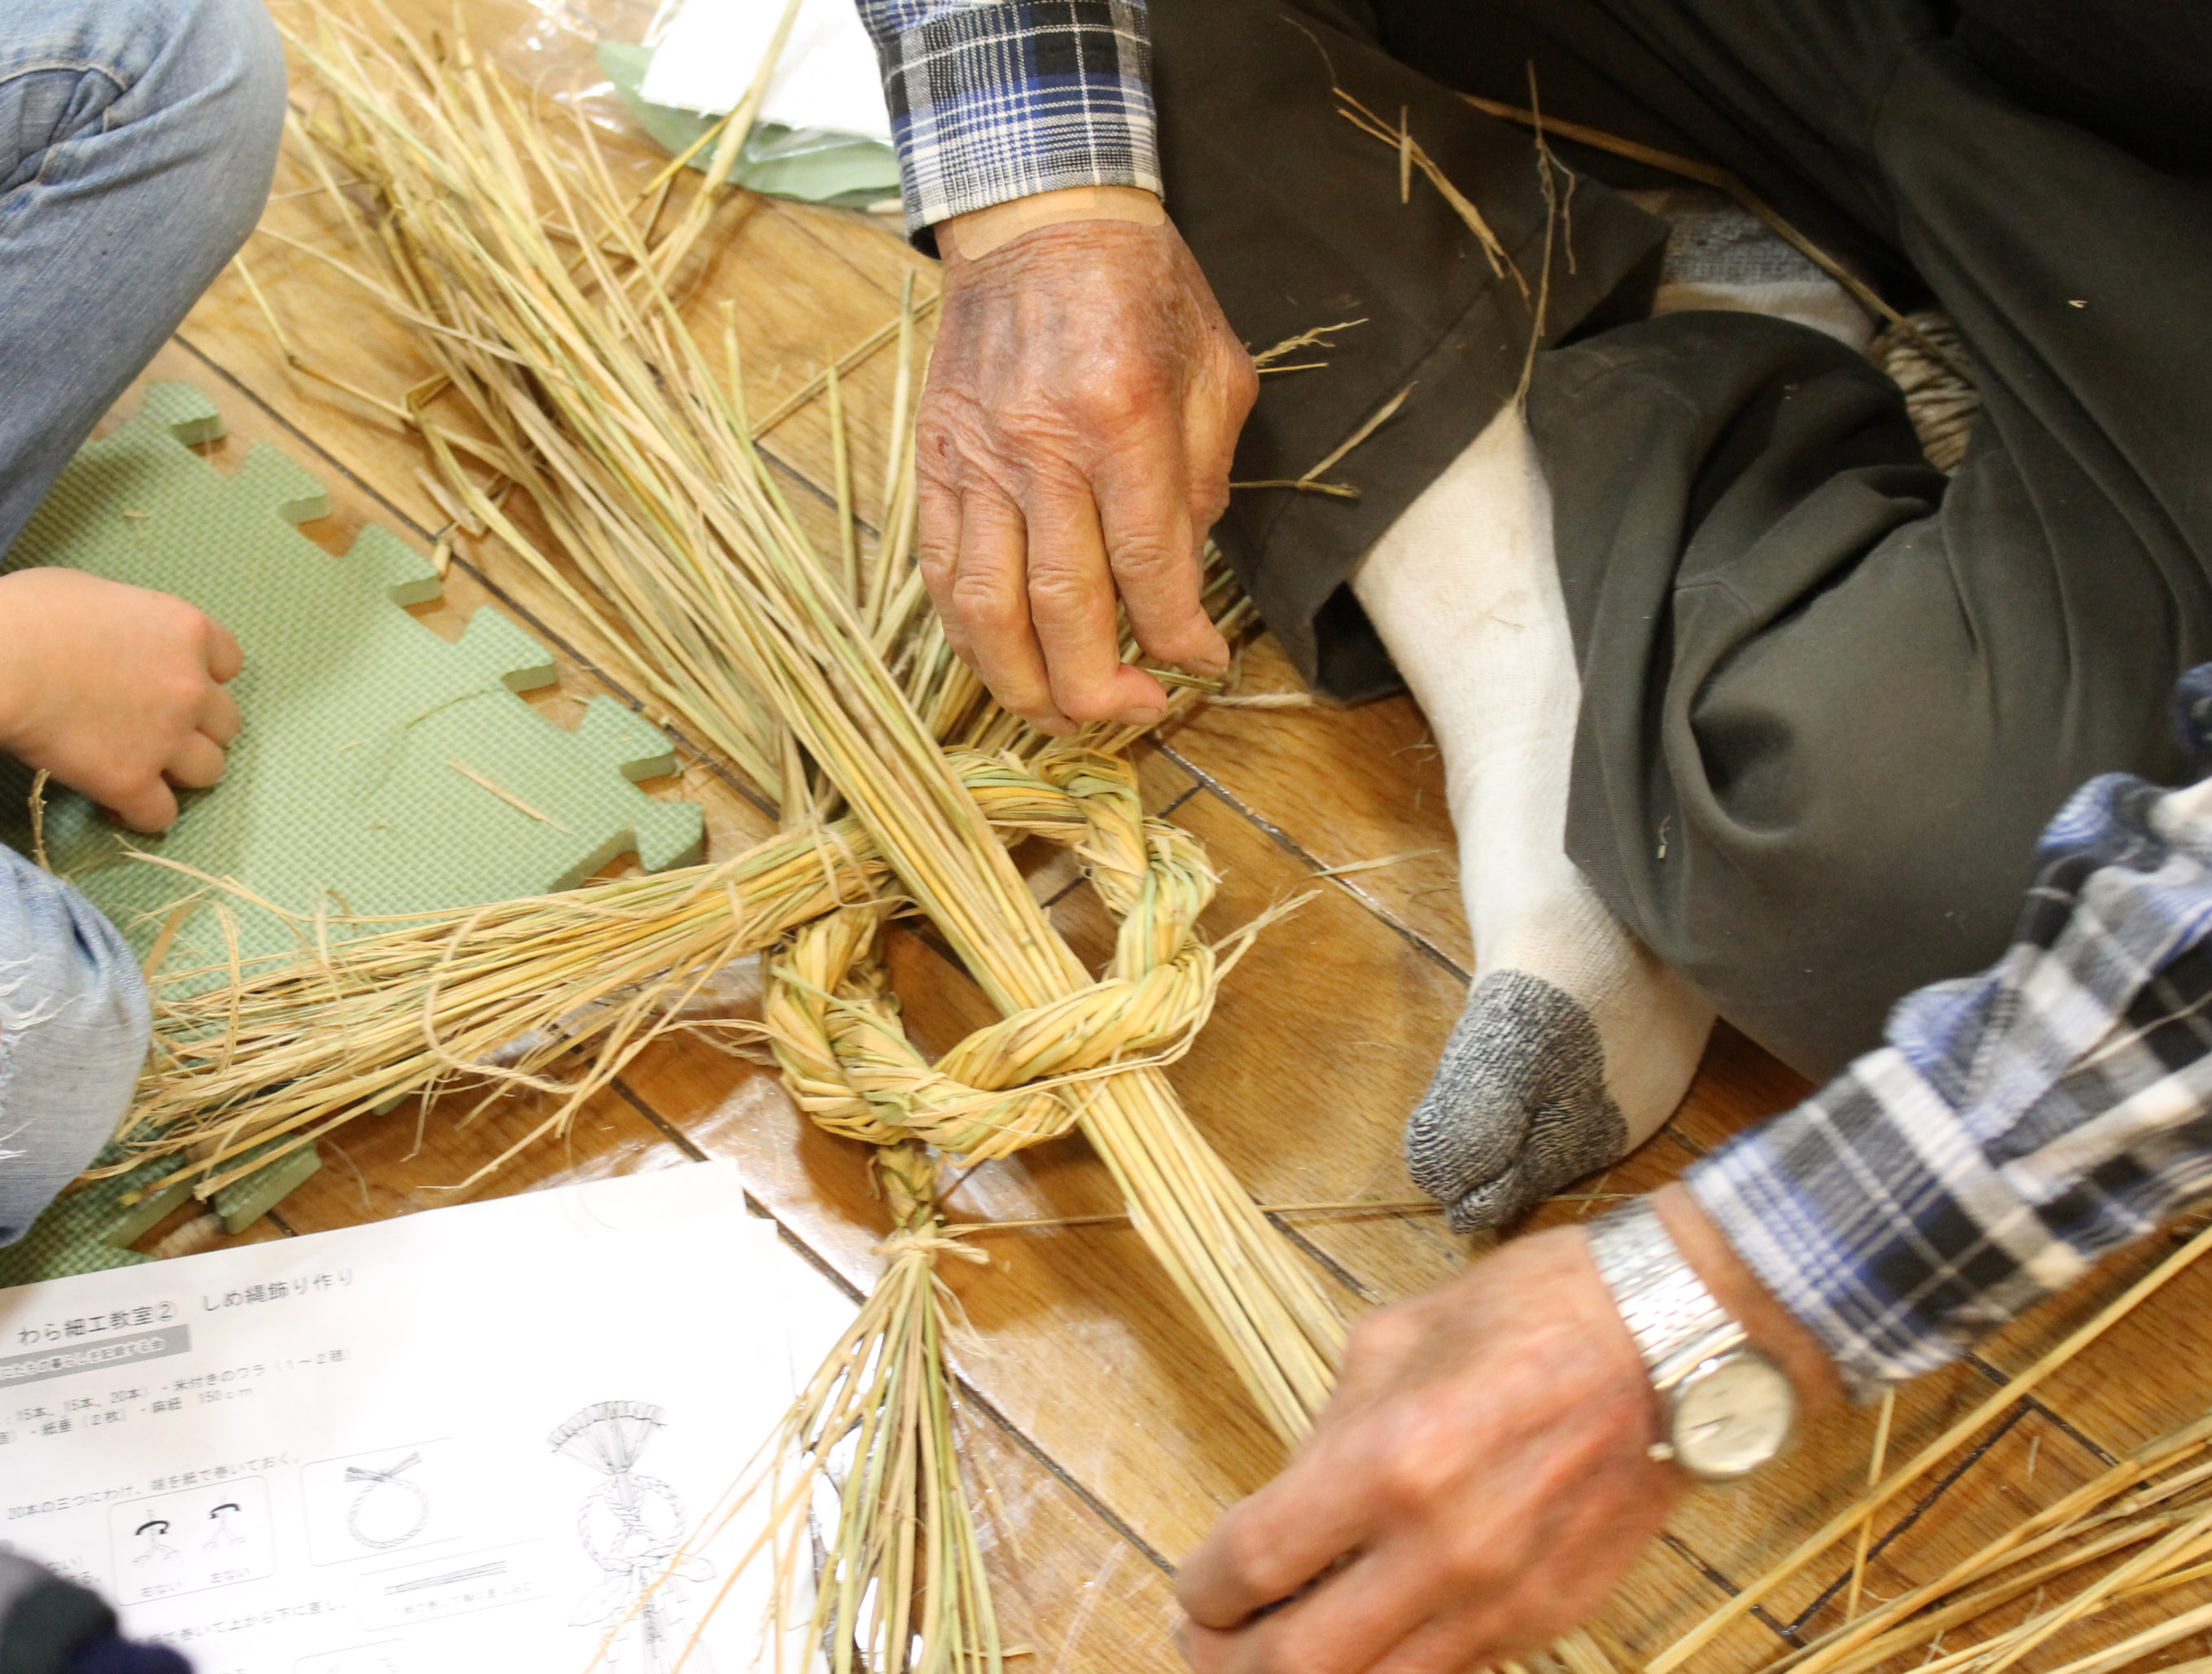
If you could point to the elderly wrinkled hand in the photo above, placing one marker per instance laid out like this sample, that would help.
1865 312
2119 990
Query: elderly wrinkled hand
1074 442
1481 1479
1475 1488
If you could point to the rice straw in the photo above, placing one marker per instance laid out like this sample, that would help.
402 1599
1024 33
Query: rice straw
673 535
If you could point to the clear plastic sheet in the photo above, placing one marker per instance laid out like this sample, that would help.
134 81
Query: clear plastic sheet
593 54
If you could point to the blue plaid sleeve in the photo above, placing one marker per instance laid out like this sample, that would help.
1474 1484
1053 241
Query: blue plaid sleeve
994 100
2015 1125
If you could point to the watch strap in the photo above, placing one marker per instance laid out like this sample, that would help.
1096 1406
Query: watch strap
1678 1325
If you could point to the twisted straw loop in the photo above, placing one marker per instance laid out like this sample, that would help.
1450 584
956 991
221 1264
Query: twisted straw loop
833 1023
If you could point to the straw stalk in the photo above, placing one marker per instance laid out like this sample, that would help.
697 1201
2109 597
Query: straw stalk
550 309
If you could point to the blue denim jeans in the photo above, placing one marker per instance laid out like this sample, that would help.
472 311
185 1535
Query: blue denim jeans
137 139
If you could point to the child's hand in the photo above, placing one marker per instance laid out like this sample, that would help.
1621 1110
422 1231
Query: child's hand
116 691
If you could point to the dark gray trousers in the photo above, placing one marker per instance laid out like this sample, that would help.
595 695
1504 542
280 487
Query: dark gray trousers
1829 697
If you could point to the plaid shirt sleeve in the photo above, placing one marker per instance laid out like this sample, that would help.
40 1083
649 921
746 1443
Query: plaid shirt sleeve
992 100
2015 1125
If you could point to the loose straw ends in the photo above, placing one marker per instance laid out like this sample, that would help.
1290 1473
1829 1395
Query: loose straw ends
1676 1655
666 528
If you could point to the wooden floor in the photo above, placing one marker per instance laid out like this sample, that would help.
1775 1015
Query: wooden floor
1109 1434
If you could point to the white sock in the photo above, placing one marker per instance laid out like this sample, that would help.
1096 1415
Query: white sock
1576 1044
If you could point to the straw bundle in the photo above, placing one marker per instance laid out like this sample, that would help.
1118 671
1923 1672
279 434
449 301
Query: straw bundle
278 1051
2140 1529
905 1506
537 290
548 302
566 369
2137 1530
899 1587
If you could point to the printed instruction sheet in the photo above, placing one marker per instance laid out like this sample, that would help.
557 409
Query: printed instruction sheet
459 1441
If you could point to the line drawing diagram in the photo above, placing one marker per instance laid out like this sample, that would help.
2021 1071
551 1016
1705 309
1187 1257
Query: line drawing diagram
157 1550
630 1526
389 1511
225 1518
189 1538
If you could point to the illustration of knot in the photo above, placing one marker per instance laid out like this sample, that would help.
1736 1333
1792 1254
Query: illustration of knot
384 1527
834 1026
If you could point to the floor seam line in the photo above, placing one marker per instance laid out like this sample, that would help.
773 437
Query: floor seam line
1290 845
637 1102
1683 1549
2066 1425
1926 1502
1329 1263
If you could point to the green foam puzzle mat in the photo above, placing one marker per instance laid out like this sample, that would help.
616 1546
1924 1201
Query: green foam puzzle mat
90 1229
381 769
350 788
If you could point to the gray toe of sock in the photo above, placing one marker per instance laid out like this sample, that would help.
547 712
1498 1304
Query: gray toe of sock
1518 1106
1497 1201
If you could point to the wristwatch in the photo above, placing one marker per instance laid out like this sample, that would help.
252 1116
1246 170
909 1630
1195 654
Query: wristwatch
1725 1408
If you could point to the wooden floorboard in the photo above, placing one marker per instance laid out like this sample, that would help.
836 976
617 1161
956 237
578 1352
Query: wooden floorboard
1106 1428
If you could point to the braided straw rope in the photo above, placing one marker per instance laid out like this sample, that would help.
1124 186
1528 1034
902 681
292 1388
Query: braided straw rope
833 1023
427 1002
907 1174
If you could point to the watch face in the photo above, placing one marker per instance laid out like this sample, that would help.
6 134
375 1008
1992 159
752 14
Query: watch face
1731 1416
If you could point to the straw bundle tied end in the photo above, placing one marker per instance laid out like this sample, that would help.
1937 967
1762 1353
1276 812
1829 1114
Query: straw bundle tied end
1720 179
893 1583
